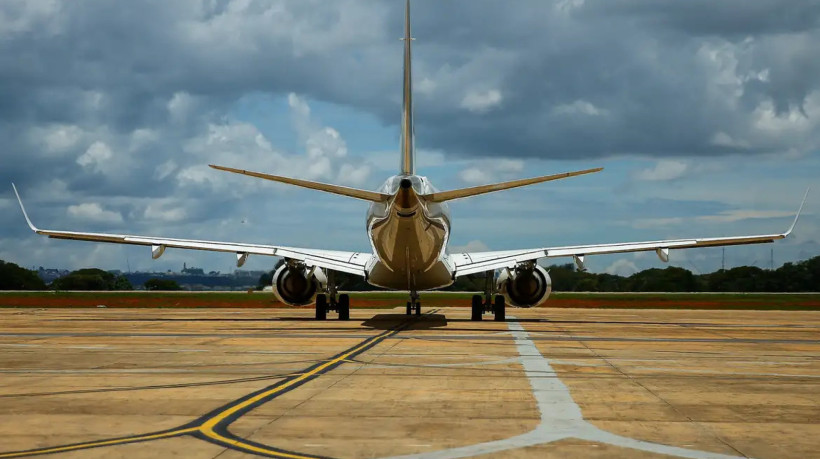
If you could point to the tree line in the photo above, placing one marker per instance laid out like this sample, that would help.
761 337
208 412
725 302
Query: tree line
13 277
803 276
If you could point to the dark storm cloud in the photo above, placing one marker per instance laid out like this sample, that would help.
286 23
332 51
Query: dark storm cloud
105 102
572 79
110 110
648 78
726 18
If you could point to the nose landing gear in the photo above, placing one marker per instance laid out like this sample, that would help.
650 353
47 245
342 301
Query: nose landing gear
414 304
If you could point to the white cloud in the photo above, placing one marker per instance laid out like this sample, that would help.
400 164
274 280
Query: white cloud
56 138
664 170
299 107
93 212
41 16
242 145
353 175
481 102
142 137
728 216
325 142
475 175
648 223
489 171
579 107
793 121
181 106
741 214
723 139
165 169
622 267
471 247
95 157
425 87
162 213
566 6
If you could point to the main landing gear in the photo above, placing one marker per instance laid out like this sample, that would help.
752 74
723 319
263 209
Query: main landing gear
332 301
414 304
489 302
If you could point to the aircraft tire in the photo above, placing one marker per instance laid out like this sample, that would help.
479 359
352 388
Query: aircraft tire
321 307
478 308
409 308
499 308
344 306
418 308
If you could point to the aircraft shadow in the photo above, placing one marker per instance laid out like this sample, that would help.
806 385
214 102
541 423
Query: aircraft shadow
391 321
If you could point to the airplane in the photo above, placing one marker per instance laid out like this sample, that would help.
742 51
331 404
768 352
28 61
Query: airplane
408 226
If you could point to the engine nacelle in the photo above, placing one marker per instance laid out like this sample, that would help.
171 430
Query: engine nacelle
297 285
525 286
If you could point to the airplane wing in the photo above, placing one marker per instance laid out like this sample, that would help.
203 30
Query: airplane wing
349 262
471 263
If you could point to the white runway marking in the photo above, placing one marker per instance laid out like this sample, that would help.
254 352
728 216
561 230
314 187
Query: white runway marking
561 417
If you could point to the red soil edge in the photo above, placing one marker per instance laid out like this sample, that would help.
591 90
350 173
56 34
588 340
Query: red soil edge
262 301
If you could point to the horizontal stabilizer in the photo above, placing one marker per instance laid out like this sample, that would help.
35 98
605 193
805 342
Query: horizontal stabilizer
442 196
335 189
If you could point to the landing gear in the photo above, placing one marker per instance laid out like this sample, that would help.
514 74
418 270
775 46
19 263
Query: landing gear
330 301
499 308
414 304
478 308
343 306
321 306
488 303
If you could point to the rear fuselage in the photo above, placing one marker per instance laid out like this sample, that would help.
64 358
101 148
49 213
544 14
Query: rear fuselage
409 236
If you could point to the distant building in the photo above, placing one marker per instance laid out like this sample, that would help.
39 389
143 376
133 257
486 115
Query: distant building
192 271
49 275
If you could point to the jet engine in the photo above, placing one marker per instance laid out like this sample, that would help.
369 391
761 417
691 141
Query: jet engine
525 286
297 285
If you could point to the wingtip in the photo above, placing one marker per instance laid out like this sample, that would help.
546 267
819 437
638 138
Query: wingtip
799 210
23 208
223 168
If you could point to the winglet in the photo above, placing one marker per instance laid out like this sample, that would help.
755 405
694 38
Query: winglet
797 216
28 220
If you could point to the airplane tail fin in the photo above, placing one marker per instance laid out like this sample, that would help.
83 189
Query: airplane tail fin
408 152
442 196
328 188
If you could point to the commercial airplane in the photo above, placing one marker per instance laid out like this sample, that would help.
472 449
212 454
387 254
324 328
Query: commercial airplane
408 225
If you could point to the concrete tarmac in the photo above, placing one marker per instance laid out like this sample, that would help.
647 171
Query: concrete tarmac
86 383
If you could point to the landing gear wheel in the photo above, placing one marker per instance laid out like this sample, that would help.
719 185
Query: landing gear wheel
321 307
478 308
344 306
499 308
409 308
418 308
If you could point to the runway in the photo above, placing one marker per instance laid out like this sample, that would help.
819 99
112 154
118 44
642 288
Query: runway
546 383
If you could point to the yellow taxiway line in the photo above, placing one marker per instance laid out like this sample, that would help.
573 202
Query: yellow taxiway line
207 427
94 444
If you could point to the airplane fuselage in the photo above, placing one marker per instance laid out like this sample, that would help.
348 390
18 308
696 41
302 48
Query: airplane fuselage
409 236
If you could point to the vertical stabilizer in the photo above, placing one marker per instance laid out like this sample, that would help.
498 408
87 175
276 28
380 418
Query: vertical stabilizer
408 152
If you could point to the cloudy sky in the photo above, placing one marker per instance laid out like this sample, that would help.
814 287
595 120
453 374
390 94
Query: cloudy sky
705 115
